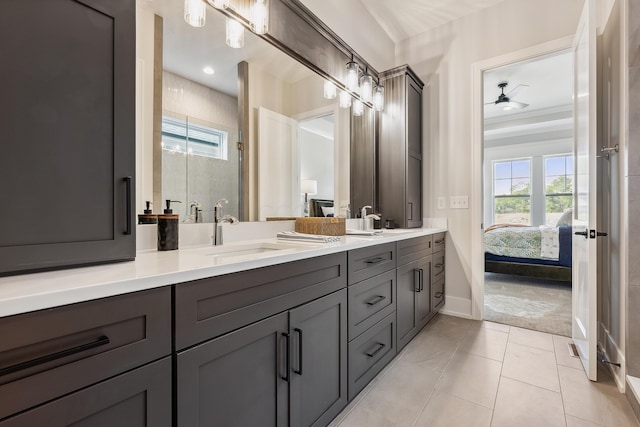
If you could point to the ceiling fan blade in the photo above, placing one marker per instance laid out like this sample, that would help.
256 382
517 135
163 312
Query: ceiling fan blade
518 105
514 92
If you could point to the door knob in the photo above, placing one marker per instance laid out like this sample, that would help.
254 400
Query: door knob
582 233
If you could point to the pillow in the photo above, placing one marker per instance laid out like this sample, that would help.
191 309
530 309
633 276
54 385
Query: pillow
566 218
327 210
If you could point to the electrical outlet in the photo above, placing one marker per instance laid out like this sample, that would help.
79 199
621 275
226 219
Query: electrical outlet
459 202
442 202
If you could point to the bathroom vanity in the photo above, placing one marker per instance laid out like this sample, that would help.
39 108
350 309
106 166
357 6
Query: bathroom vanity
248 333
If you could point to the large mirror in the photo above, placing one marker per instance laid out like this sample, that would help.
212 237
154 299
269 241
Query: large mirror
296 137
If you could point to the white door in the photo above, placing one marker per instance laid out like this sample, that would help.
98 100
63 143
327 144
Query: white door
585 291
278 166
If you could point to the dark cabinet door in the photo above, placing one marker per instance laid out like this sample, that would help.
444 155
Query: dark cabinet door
139 398
414 154
239 379
413 299
67 127
318 360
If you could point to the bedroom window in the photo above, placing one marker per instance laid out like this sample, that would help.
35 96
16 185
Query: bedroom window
558 186
512 191
181 136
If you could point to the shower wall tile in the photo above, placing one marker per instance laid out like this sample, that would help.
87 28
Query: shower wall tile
633 337
633 22
634 121
634 230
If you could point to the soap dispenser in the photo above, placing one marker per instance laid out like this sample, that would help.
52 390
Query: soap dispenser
147 217
168 228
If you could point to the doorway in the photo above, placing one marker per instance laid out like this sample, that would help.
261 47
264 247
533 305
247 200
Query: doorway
528 193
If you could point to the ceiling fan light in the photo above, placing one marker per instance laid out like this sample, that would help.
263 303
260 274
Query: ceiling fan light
330 90
259 17
235 34
195 12
345 99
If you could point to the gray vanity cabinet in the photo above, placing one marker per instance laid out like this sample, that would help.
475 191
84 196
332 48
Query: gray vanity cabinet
400 154
67 127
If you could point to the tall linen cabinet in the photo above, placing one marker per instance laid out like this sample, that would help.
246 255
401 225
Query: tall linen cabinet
400 148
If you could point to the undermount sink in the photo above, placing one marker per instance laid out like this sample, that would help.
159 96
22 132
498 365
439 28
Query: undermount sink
245 250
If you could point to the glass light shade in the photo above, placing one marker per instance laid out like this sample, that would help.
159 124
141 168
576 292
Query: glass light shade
345 99
235 33
259 17
309 186
366 88
330 90
219 4
195 12
358 108
378 98
353 72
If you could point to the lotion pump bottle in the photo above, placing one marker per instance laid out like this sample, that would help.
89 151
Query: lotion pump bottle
168 228
147 217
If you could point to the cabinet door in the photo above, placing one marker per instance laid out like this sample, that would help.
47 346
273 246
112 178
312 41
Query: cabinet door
407 283
139 398
319 360
68 132
423 296
414 155
239 379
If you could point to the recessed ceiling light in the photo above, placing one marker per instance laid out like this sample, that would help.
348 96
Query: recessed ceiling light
208 70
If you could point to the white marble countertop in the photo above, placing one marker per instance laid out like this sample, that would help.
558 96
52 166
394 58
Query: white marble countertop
153 269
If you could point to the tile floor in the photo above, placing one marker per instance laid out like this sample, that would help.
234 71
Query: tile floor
466 373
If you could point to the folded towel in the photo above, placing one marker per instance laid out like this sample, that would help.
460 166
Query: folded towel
364 232
294 235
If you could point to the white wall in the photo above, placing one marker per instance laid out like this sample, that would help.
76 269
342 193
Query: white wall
316 162
443 58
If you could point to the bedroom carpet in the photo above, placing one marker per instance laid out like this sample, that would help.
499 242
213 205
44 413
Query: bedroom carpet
531 303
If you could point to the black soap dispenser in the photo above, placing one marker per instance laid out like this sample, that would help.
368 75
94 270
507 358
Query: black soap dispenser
147 217
168 228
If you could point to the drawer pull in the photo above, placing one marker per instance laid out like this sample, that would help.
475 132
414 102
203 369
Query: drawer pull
375 260
439 294
103 340
438 242
372 353
376 300
287 377
439 265
299 370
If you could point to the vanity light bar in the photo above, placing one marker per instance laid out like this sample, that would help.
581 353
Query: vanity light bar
219 4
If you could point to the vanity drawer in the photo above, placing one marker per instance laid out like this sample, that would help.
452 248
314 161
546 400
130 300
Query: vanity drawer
437 271
413 249
371 261
437 294
371 301
49 353
371 352
439 242
211 307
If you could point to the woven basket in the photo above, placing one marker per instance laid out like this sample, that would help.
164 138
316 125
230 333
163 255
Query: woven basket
323 226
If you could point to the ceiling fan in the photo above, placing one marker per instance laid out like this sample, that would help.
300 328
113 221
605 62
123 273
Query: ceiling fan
505 101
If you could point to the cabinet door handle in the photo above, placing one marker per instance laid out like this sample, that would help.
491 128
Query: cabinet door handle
286 376
103 340
421 279
378 348
439 241
439 294
376 300
375 260
410 211
416 279
127 181
299 370
439 265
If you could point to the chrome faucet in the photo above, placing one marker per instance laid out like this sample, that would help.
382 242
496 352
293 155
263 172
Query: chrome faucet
366 218
218 220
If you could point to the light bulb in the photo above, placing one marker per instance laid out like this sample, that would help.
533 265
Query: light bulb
219 4
259 17
378 98
366 88
358 108
195 12
235 33
353 72
345 99
330 90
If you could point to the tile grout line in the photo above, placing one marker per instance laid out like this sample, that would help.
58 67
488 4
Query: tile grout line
555 355
495 401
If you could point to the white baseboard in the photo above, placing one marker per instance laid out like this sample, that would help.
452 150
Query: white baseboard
458 307
612 352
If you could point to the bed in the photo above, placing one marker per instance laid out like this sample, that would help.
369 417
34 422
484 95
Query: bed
529 251
320 207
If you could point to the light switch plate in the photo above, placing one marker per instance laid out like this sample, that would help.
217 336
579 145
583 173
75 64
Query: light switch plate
442 202
459 202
